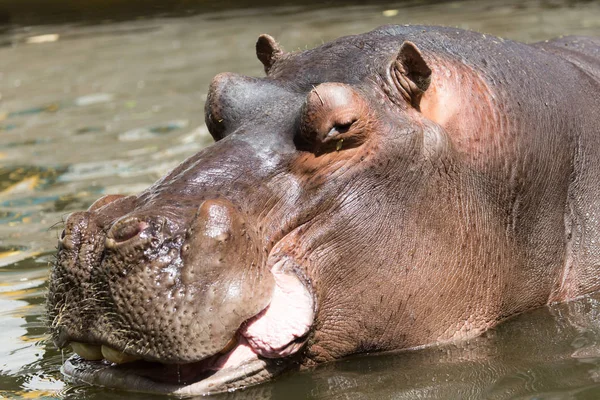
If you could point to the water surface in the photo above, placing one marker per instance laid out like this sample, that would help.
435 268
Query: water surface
90 107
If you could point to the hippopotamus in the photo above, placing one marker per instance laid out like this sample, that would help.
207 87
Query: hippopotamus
405 187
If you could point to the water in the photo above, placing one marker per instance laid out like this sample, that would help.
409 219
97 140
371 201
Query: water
90 106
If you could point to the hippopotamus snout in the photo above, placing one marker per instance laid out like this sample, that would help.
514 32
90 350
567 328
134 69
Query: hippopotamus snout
206 262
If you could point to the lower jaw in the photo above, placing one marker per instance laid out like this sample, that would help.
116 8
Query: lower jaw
239 368
125 378
102 374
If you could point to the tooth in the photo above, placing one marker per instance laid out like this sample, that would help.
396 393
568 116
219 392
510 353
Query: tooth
230 345
116 356
86 351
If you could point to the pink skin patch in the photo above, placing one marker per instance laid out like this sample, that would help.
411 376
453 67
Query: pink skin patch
241 354
288 317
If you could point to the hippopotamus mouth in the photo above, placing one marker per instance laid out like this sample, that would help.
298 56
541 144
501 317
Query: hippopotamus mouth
263 345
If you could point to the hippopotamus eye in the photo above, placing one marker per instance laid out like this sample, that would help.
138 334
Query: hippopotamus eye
333 114
339 129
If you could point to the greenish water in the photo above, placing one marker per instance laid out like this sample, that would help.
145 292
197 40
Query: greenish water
108 107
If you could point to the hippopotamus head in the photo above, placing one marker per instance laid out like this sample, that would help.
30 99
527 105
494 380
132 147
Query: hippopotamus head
316 226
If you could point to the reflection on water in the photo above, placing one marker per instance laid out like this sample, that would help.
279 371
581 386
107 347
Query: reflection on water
27 367
90 109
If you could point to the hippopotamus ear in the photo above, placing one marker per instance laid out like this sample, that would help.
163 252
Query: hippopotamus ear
411 73
268 51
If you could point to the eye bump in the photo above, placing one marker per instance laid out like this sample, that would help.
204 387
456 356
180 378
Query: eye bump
332 113
340 128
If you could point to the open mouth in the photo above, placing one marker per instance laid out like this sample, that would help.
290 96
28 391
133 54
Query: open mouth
253 355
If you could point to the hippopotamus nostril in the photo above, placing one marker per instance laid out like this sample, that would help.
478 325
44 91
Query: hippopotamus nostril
125 230
75 226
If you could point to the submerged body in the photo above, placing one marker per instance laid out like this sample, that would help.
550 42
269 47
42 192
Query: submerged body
409 186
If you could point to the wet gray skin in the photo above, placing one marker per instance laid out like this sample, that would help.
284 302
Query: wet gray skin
405 187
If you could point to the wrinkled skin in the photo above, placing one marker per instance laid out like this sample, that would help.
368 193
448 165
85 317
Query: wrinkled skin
404 187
